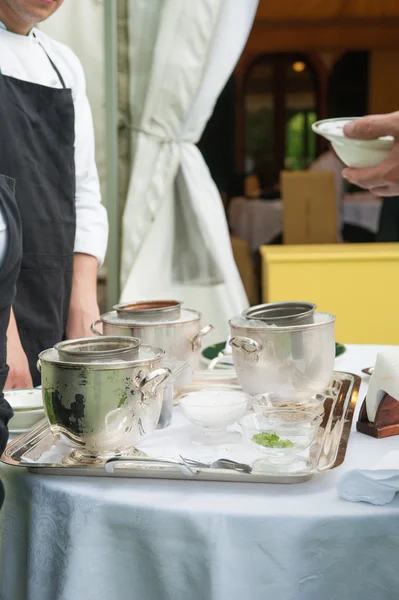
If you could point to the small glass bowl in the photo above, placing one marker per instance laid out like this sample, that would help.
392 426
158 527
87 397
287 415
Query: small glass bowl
286 434
212 411
288 401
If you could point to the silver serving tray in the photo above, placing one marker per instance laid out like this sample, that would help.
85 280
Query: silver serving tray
329 452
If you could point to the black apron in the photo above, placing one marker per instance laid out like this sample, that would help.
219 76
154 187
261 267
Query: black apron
37 150
8 277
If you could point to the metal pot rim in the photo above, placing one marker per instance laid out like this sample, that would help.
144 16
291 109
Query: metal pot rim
147 310
108 317
252 311
104 366
128 345
330 318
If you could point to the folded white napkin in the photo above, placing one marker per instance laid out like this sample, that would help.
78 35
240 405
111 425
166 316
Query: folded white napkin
385 379
377 485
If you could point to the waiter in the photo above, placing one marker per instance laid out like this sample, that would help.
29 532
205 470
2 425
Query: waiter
47 148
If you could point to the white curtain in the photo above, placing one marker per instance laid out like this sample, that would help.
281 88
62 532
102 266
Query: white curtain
175 236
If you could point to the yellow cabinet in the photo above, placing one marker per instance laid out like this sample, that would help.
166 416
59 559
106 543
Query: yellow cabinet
359 283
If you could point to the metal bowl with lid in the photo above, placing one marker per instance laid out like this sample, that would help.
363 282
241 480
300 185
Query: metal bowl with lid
106 348
103 408
294 358
282 313
181 338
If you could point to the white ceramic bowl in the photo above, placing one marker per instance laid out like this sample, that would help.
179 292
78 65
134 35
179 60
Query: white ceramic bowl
214 409
24 399
27 406
24 420
353 153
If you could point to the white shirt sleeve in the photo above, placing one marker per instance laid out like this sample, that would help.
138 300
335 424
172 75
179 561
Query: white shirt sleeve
91 216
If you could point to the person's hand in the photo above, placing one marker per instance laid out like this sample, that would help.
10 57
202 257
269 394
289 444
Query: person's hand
19 375
382 180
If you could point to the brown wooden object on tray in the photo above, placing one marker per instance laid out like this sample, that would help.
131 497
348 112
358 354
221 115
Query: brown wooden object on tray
386 421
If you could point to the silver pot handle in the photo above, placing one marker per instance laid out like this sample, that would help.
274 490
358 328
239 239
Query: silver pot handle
146 462
174 373
39 365
147 384
94 329
249 345
196 342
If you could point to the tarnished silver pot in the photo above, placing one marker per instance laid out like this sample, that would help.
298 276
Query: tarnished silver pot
277 359
103 408
181 339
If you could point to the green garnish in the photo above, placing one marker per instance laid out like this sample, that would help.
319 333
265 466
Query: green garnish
271 440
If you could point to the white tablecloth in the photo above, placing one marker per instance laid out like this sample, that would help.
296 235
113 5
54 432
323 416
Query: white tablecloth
259 221
76 539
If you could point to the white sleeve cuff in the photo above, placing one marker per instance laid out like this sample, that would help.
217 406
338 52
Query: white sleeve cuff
92 233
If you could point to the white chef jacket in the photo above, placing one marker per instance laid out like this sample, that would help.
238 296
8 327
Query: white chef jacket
22 57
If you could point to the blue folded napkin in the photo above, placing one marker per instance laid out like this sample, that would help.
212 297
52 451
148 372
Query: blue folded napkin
377 486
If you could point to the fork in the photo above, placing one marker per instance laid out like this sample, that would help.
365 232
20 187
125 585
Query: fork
221 463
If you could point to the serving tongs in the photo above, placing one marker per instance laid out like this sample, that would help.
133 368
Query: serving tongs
221 463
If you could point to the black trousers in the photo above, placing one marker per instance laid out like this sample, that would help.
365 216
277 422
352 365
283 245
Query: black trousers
388 230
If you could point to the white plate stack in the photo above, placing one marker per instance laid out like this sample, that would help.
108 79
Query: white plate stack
28 409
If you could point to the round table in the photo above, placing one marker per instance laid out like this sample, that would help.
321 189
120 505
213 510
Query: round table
104 539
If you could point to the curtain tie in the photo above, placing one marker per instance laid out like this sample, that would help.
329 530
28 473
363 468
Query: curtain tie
163 139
